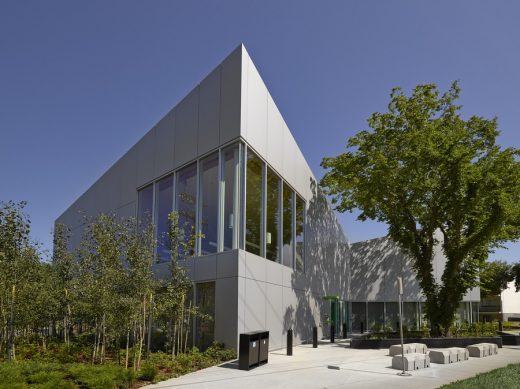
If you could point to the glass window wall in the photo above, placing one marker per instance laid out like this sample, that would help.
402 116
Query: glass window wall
186 204
163 207
145 206
205 324
300 234
359 317
208 193
230 193
392 315
287 221
376 316
254 175
272 216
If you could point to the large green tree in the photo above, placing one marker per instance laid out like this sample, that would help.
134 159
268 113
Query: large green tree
434 178
494 277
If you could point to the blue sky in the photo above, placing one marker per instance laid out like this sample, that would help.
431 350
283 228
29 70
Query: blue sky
82 81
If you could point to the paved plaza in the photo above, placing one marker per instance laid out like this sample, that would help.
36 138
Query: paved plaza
336 366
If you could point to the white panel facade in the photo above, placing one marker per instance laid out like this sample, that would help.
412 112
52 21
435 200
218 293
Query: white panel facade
164 141
209 113
186 126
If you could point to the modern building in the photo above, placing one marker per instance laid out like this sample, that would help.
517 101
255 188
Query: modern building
270 253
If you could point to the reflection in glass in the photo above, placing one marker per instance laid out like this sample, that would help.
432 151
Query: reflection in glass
359 317
300 232
186 196
272 216
287 232
230 174
410 315
209 204
376 316
145 206
163 206
204 325
392 315
253 203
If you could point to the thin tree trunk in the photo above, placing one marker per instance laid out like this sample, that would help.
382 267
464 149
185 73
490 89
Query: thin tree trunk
187 328
10 345
149 340
127 347
141 340
181 326
174 333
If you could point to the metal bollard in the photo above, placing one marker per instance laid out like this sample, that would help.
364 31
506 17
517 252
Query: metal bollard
289 342
315 337
332 333
344 330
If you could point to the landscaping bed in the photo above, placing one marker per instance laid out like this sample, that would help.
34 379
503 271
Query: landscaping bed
430 342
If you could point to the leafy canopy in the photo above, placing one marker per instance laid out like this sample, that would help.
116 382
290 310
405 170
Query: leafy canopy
430 174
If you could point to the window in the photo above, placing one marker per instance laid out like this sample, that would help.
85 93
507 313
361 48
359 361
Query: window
145 206
230 186
392 315
359 317
272 216
376 316
205 325
254 191
300 234
186 204
208 193
163 207
287 220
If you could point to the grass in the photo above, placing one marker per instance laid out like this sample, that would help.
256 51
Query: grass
505 378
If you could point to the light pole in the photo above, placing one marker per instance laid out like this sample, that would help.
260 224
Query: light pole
400 286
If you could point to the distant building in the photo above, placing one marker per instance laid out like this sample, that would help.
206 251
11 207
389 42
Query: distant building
271 247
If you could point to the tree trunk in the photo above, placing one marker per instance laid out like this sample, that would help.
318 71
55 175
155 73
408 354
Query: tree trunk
10 345
143 326
187 328
127 347
150 315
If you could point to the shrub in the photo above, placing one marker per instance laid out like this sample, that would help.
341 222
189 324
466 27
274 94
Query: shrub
148 372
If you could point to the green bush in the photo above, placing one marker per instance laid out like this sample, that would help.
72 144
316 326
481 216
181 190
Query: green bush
148 372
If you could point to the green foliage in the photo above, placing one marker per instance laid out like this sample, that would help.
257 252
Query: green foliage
148 372
505 378
461 330
494 277
434 178
55 375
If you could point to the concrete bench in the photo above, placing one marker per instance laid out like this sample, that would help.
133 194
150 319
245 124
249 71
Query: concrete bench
492 347
478 350
420 348
442 356
412 361
462 353
396 349
408 348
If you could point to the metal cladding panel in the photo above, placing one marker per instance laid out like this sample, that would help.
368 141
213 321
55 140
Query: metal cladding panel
254 267
274 315
145 159
256 113
227 264
255 303
275 128
128 165
164 141
226 311
205 268
209 112
230 96
186 128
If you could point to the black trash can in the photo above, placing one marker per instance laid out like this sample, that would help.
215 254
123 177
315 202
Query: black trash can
264 347
253 349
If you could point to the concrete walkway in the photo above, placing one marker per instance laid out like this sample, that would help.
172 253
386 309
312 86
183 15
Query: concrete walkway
309 368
